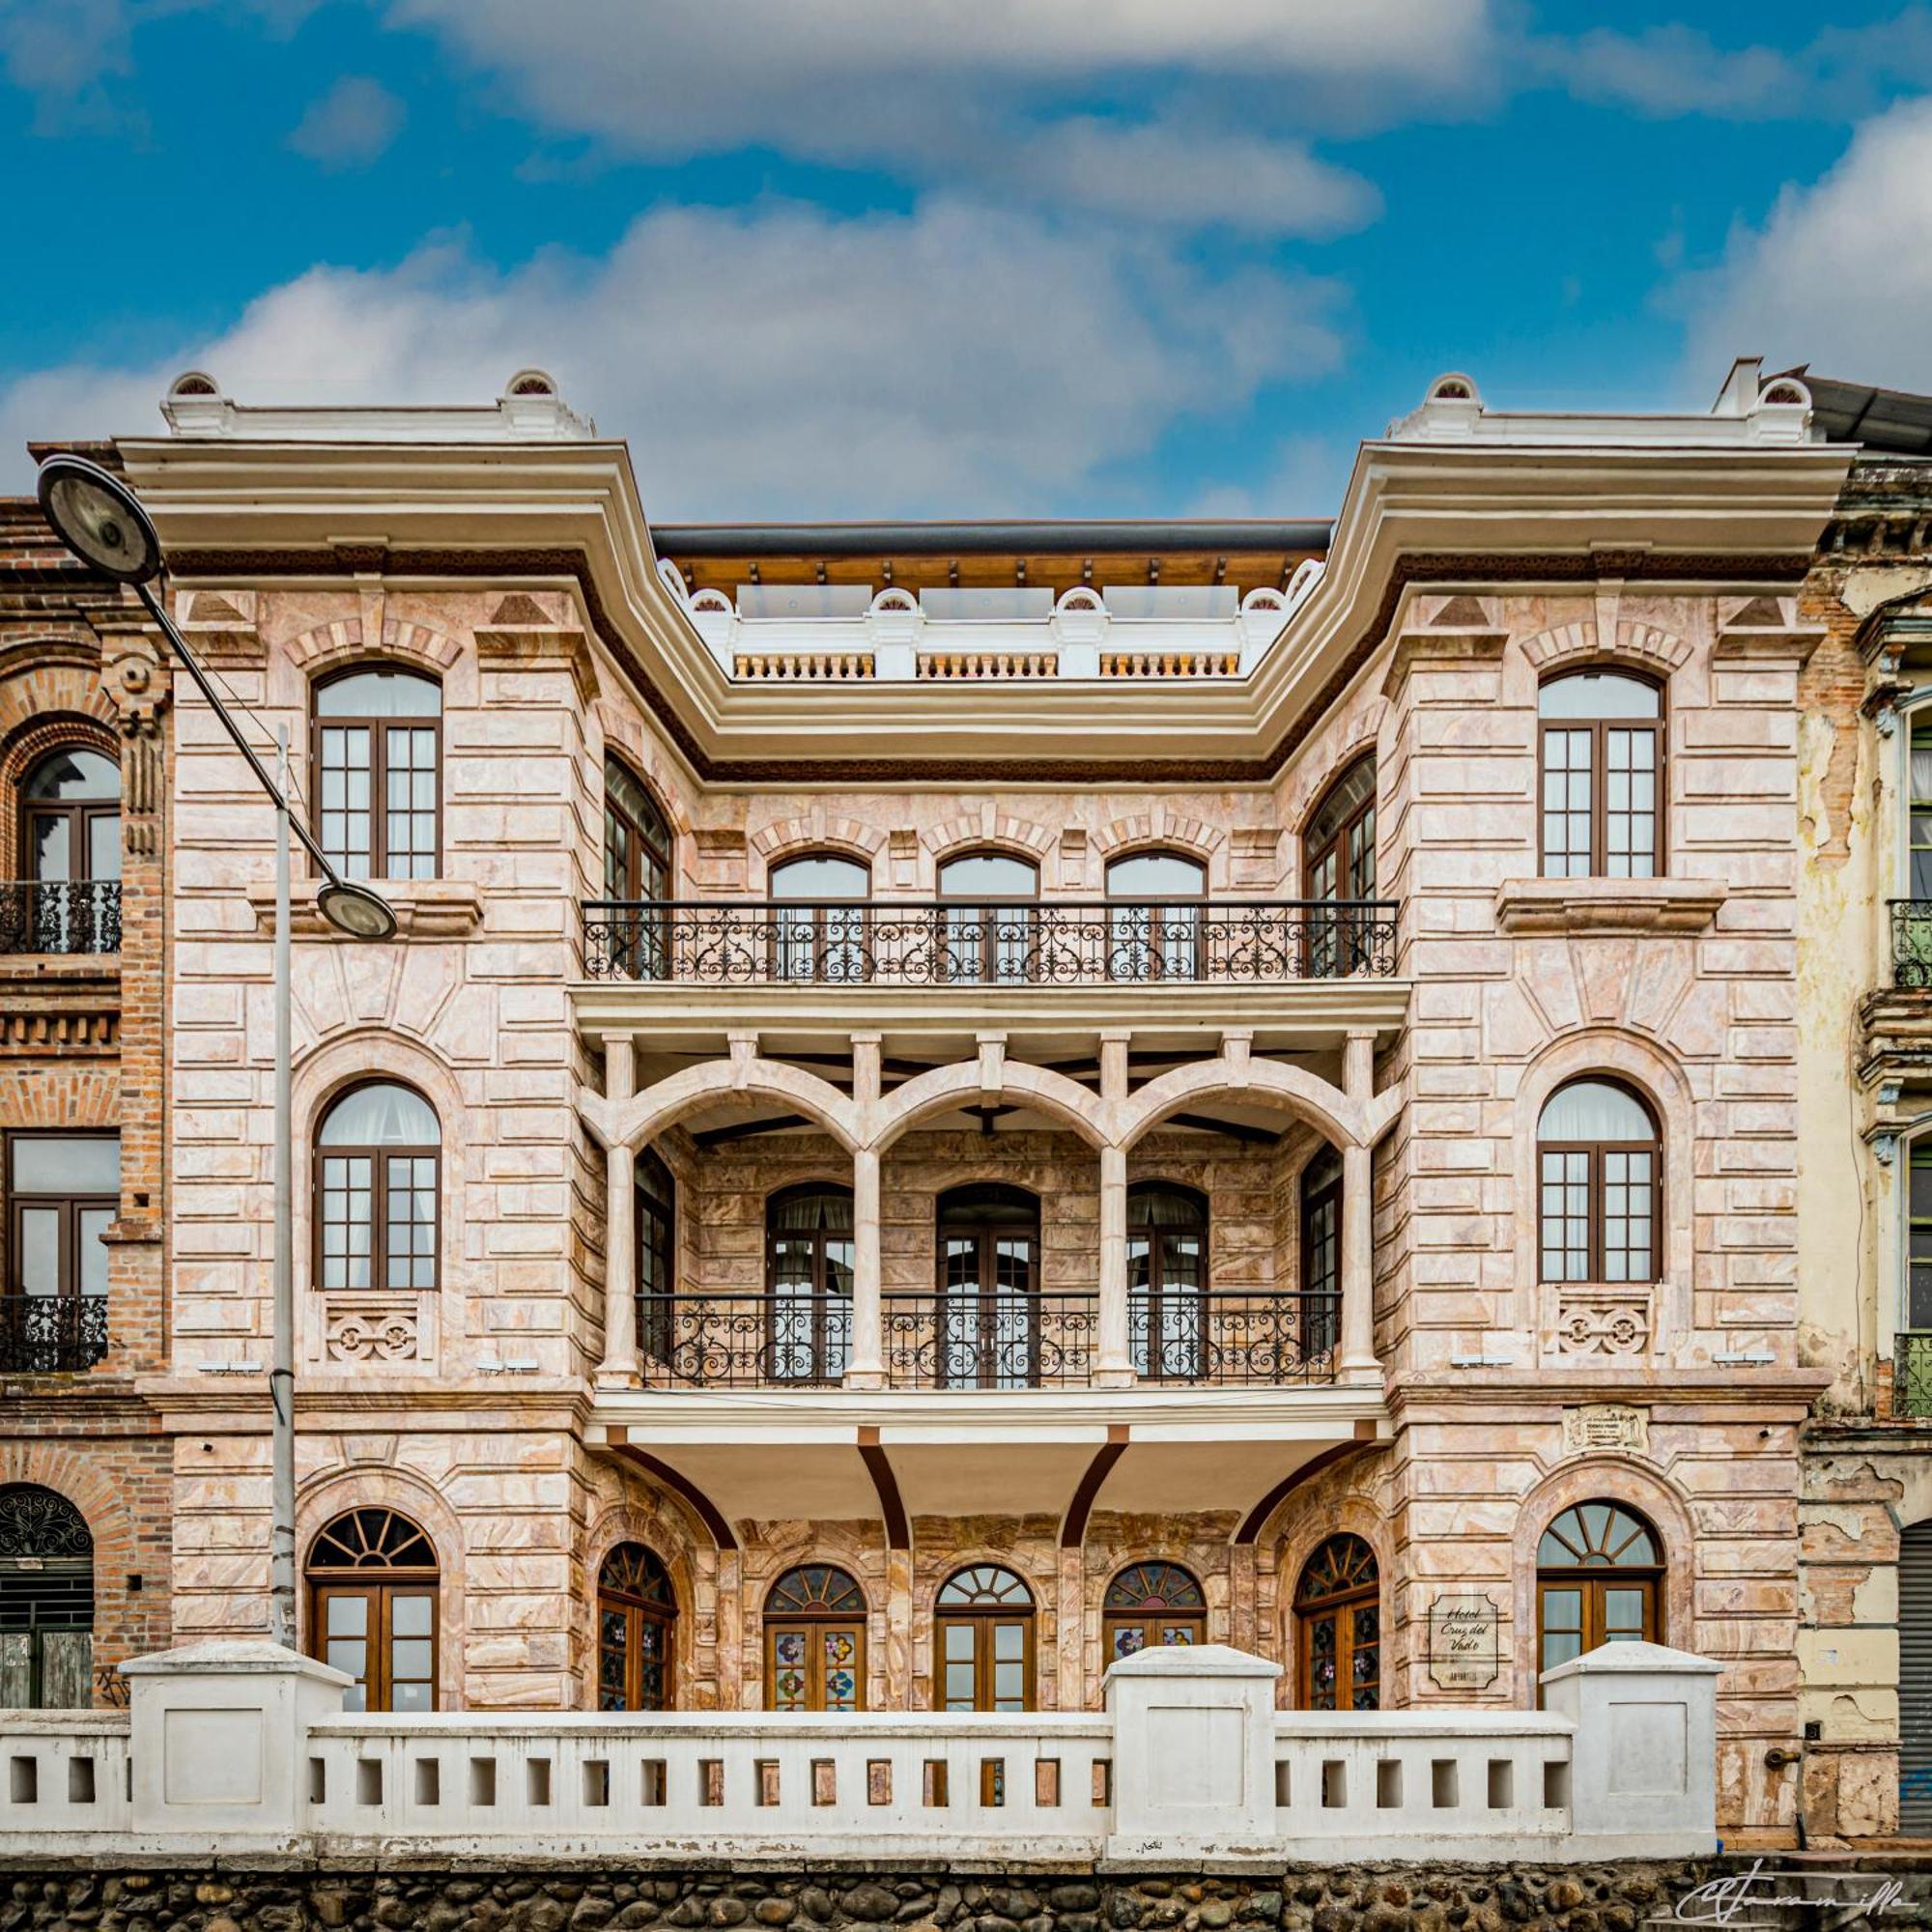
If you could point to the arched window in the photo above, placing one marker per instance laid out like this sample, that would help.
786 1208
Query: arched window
809 1256
71 848
1601 738
63 1195
637 1623
656 1212
1599 1160
637 837
378 797
815 1641
1910 1396
991 938
984 1648
47 1602
989 1244
372 1580
1338 1629
378 1167
1338 865
1154 927
1150 1605
1321 1253
1598 1569
1918 838
1167 1280
818 919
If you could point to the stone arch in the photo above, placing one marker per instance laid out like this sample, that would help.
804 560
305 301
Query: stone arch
1615 1478
941 1089
815 832
634 1122
1646 648
1638 1063
1297 1091
933 1570
988 831
643 1514
859 1549
1160 825
336 646
1320 763
327 1495
40 713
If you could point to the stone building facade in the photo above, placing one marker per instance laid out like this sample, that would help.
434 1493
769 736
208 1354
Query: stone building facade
951 1100
1864 1301
84 778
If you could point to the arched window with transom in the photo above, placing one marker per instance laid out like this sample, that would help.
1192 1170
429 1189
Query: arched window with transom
808 1260
815 1641
1599 1569
1599 1163
991 935
372 1582
377 1172
1603 753
818 919
1153 916
1167 1280
47 1601
984 1654
1338 870
1150 1606
990 1305
70 851
638 875
1338 1629
636 1631
376 739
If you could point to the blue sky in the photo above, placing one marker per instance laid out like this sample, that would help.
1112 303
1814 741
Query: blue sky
850 257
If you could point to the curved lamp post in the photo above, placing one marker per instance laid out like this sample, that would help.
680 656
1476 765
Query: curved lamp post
102 521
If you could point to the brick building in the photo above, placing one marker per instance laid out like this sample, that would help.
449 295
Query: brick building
953 1102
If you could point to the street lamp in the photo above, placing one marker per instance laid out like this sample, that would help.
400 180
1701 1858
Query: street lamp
101 520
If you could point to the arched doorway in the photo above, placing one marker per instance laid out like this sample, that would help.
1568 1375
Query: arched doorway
982 1641
1338 1629
47 1601
372 1580
1599 1568
1151 1604
815 1641
988 1250
637 1629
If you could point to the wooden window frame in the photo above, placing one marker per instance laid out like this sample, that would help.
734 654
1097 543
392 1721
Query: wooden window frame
1336 844
378 1156
1594 1152
381 1583
989 1297
821 1298
71 1207
1341 1604
636 1611
641 843
785 938
982 1622
378 729
80 813
1195 930
1115 1618
816 1621
1599 730
1158 1293
989 940
1594 1579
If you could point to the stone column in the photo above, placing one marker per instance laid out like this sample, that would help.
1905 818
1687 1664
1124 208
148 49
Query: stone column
866 1367
1114 1366
619 1366
1358 1363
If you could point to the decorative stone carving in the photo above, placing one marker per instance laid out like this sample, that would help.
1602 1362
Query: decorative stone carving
1607 905
1606 1425
1603 1321
371 1331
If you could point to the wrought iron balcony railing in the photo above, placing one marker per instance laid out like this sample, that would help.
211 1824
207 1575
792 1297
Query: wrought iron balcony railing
51 1334
1911 1372
956 943
975 1340
1912 943
60 916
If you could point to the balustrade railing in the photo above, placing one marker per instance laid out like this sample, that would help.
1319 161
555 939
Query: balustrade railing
60 916
51 1334
744 1341
1911 1372
976 1340
1238 1336
1912 943
956 943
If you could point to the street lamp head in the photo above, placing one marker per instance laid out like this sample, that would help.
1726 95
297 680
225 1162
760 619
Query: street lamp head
99 519
356 912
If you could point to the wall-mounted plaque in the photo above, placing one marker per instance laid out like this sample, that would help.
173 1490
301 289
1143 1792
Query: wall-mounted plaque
1606 1425
1462 1647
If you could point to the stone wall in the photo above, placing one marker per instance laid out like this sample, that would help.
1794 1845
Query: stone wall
1450 1897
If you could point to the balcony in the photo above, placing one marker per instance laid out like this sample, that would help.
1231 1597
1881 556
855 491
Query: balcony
1912 1374
960 944
60 916
1912 943
51 1334
1006 1342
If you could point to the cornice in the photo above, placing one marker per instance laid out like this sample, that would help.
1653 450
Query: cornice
1415 1394
1445 517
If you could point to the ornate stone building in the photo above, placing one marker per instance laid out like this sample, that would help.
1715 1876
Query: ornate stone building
953 1102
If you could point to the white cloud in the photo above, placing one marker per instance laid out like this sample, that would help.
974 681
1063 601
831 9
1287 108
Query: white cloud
1839 275
350 125
1677 70
988 92
779 362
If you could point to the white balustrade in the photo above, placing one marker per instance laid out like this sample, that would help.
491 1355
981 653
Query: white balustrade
239 1749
